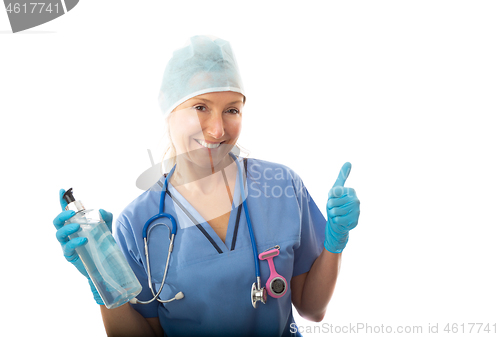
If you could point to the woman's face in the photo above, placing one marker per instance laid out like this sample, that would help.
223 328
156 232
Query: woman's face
205 128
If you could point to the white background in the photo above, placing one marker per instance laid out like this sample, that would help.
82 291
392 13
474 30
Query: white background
407 91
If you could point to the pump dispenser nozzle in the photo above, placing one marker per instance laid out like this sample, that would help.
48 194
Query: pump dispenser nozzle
68 196
73 204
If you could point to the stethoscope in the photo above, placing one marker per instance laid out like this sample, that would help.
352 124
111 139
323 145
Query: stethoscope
276 283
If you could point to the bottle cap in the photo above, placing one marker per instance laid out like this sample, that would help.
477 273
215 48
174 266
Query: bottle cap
68 196
75 205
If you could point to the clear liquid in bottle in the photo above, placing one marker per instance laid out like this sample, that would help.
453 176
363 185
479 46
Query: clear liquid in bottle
104 261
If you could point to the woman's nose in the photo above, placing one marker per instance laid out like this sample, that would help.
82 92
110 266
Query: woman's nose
215 126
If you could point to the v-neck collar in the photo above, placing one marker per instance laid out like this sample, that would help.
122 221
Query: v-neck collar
203 225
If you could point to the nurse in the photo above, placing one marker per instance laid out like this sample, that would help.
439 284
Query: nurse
212 264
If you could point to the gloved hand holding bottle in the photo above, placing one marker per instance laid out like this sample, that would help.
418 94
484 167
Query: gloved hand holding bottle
69 245
342 209
87 243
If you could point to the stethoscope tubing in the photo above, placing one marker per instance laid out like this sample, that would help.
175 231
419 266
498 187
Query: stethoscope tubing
249 223
161 214
158 216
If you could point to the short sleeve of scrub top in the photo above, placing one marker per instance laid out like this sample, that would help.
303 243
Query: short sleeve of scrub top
215 276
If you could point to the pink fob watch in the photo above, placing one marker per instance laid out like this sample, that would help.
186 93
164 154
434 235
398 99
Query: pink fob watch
276 284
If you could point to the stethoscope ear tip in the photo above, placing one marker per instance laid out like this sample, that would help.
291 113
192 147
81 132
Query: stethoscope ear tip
179 295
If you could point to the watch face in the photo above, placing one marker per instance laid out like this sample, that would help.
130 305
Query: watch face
278 286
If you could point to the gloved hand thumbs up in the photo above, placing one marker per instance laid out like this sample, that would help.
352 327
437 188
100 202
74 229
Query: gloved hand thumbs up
338 188
342 209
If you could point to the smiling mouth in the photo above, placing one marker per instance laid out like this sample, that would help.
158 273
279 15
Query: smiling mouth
208 145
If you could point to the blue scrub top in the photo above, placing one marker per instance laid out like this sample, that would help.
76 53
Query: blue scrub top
216 277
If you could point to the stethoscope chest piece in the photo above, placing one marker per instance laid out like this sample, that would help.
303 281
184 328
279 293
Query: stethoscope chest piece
258 294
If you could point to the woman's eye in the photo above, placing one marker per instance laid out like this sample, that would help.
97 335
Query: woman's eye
200 108
233 111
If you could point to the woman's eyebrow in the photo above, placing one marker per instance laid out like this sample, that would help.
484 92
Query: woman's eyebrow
202 99
235 102
209 101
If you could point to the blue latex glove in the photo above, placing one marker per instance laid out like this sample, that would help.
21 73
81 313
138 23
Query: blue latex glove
69 246
342 211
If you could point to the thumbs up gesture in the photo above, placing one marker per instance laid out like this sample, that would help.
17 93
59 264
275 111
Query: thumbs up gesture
342 209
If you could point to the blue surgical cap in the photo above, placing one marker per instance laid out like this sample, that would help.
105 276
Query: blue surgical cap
206 65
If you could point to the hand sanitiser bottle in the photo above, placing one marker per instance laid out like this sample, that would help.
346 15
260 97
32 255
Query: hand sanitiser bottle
104 261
